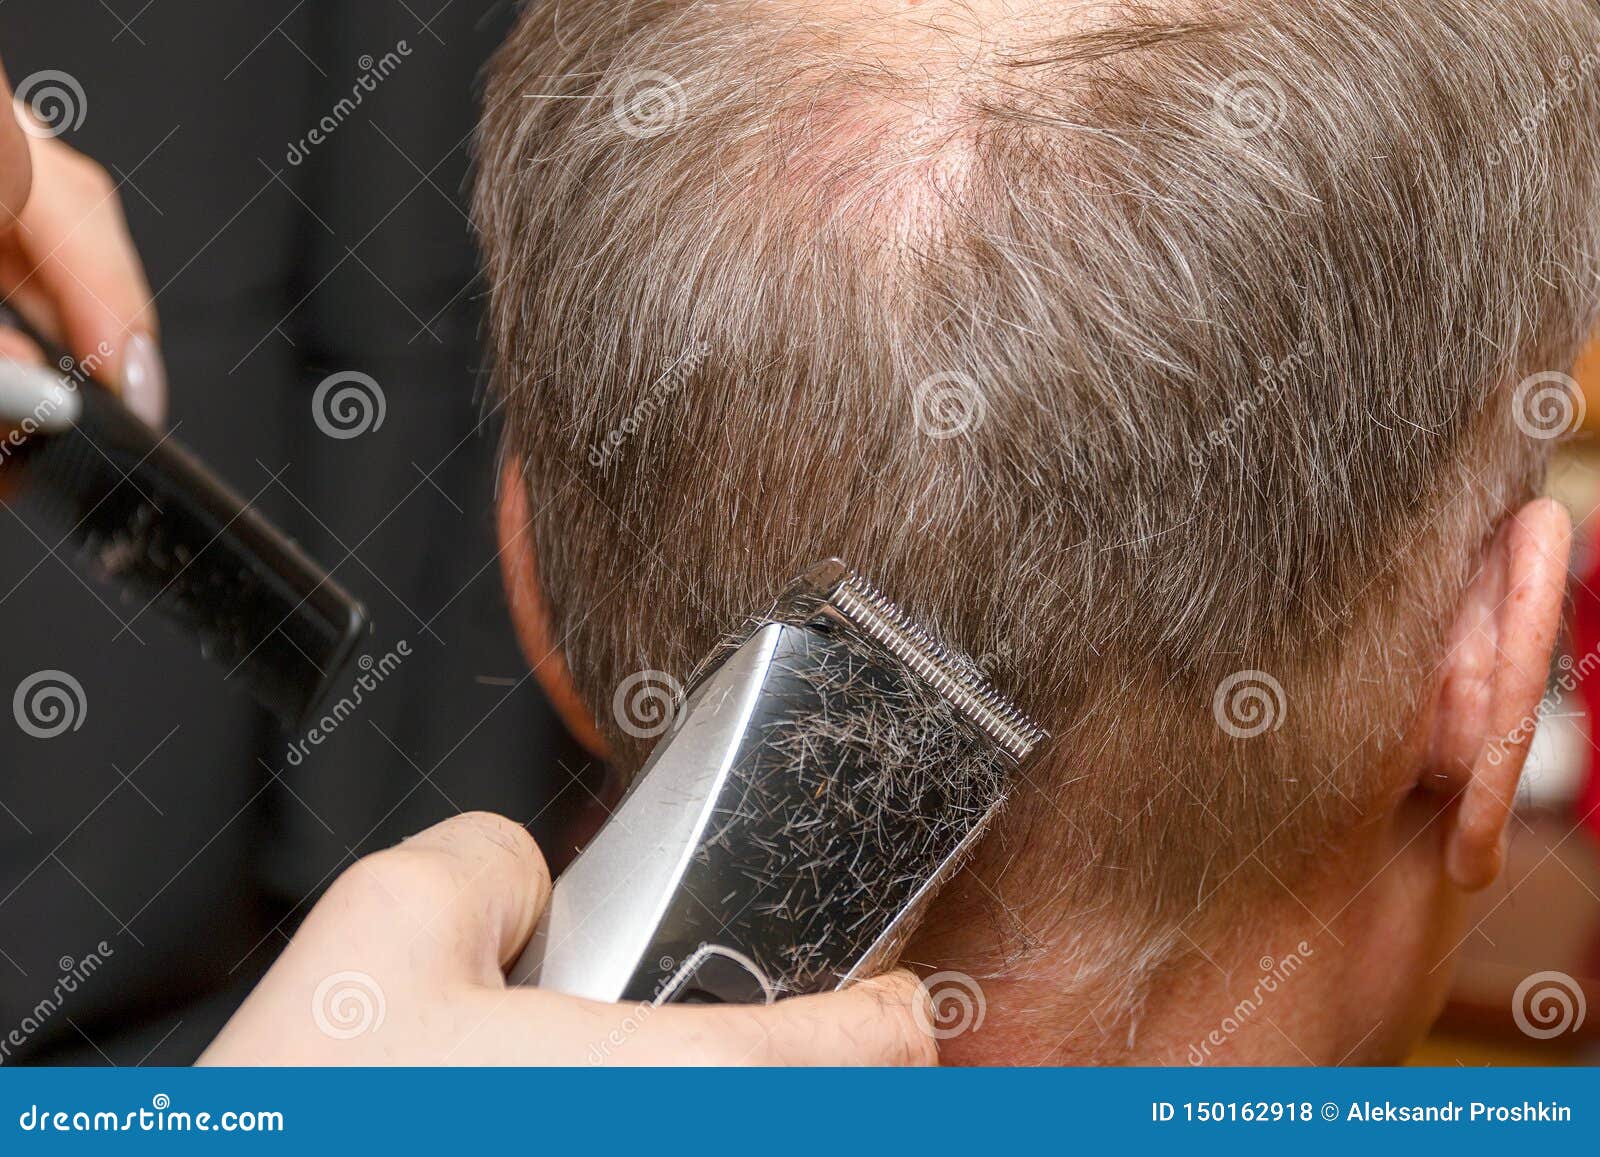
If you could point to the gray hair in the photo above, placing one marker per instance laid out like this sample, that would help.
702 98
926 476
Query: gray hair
1171 360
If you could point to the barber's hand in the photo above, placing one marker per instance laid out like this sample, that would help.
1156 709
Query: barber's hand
68 265
401 964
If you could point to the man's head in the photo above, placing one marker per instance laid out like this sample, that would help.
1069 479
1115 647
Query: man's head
1176 360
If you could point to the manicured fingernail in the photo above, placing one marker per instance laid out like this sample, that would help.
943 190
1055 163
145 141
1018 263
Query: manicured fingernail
144 379
33 394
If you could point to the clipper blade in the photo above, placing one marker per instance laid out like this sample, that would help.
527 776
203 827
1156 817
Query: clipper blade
828 771
948 672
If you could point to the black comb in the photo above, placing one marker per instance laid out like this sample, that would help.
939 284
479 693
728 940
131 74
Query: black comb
144 514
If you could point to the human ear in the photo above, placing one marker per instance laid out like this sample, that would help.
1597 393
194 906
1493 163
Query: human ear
530 613
1491 683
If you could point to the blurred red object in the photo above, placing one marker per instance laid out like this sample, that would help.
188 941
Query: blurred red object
1586 642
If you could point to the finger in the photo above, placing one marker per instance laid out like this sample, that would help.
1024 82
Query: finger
16 169
884 1021
458 901
16 346
76 249
27 297
877 1022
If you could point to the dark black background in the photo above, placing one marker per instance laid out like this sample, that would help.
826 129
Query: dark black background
170 825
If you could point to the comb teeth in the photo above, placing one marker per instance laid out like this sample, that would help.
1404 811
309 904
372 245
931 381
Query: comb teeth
946 671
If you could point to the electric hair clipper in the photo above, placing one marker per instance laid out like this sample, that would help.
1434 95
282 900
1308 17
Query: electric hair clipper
823 777
143 513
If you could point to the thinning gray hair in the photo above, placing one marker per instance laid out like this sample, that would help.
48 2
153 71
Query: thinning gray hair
1169 357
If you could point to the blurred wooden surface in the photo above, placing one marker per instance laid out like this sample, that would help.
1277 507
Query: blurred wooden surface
1588 375
1544 916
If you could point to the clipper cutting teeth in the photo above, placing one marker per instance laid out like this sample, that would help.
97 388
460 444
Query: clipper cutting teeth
946 671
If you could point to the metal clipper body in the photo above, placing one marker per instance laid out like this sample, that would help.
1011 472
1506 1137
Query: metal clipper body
821 780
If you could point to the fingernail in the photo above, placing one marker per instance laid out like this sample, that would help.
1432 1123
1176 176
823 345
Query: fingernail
144 379
35 394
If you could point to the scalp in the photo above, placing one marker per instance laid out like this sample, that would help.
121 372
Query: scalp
1238 392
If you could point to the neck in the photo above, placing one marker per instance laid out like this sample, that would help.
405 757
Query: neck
1194 1010
1310 983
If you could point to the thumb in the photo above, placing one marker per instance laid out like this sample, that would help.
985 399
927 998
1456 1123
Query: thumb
457 902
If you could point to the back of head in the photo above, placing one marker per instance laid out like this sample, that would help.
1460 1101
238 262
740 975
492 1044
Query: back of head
1169 358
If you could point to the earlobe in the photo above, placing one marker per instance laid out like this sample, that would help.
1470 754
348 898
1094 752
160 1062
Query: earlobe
1492 682
530 614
